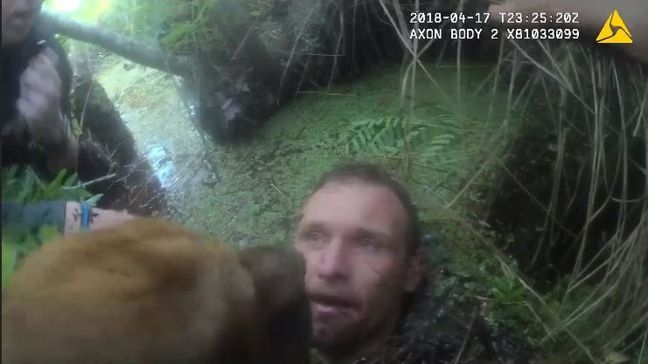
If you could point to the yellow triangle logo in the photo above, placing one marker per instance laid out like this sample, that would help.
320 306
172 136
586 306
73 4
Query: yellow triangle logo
614 30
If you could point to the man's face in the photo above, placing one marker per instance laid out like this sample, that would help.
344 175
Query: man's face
18 17
352 237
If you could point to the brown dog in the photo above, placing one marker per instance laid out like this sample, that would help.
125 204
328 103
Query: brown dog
149 291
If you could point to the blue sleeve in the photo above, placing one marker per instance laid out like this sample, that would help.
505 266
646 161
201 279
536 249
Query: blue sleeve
33 215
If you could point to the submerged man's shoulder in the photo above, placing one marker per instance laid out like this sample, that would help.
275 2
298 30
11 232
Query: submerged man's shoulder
436 330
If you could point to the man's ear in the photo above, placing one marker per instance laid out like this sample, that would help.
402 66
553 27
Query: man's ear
416 270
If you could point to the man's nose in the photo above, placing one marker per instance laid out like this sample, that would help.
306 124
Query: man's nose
333 262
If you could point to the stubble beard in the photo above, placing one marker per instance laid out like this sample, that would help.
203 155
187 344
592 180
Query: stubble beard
351 341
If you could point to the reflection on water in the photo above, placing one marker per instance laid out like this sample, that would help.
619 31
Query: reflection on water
160 112
162 165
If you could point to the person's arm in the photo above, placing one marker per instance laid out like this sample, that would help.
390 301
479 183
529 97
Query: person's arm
592 16
97 219
67 216
31 216
39 107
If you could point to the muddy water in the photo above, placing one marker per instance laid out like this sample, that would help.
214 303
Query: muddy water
159 119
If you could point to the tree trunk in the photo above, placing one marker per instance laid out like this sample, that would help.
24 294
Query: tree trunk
117 43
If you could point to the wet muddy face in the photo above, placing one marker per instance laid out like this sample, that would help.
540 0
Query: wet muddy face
352 238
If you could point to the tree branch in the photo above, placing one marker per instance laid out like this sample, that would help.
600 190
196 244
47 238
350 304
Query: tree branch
117 43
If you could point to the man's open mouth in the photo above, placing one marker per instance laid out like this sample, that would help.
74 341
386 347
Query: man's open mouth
327 305
329 300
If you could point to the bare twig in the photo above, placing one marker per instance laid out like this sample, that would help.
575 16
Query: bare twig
89 183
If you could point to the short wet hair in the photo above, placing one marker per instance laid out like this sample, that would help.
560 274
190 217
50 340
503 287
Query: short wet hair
372 174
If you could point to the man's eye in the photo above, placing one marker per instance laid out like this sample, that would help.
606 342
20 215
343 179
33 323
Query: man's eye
368 244
313 237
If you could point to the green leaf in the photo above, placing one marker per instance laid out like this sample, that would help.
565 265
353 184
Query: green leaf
442 139
47 233
54 186
363 137
23 185
71 180
356 147
9 258
28 189
94 199
373 148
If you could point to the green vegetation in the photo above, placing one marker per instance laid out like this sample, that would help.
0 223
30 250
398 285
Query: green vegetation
597 312
192 29
25 186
